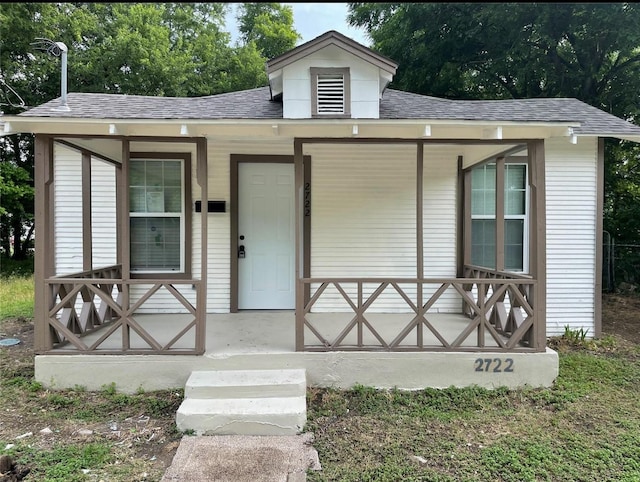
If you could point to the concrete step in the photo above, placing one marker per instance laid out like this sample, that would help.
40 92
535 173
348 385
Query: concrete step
243 416
246 384
244 402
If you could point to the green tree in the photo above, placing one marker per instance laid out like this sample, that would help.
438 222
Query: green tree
169 49
269 25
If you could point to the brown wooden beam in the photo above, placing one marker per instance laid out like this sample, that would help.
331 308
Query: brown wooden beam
308 193
420 234
119 208
125 247
44 261
599 234
460 219
394 140
466 231
298 162
202 178
500 214
538 240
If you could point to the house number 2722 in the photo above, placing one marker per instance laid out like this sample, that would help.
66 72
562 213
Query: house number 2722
494 365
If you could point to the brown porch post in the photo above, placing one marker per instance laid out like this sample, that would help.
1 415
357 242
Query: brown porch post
460 220
500 214
298 261
599 233
538 241
466 231
119 209
44 262
201 295
87 242
125 247
420 233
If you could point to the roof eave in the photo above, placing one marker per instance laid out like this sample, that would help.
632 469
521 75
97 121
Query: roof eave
288 128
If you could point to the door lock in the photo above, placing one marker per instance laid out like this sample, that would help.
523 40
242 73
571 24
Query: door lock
241 251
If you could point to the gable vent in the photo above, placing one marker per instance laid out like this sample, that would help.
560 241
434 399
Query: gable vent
331 94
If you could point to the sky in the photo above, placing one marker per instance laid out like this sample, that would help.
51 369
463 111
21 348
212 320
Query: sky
312 20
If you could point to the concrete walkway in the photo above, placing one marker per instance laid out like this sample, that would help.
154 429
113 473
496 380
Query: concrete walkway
243 458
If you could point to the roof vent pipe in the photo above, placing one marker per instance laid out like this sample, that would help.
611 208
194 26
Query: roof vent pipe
57 49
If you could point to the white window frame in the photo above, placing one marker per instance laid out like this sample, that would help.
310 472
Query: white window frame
524 217
182 216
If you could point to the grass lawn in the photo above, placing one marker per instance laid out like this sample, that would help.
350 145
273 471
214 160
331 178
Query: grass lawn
16 297
585 428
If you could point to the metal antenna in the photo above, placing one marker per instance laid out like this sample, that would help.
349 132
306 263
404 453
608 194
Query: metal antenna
7 91
57 49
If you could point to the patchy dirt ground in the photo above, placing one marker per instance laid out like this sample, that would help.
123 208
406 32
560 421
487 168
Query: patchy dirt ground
621 316
147 443
141 440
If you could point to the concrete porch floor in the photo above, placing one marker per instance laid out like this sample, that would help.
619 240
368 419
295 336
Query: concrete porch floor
266 340
274 331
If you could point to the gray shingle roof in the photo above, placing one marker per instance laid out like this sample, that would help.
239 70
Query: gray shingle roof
395 104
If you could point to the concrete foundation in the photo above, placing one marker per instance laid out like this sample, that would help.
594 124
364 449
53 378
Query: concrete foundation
410 371
250 341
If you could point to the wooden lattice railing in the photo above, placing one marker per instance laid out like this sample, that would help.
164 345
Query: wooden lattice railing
499 306
105 306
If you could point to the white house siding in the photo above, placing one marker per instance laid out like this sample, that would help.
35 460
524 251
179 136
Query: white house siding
103 213
296 80
571 172
364 219
68 210
440 183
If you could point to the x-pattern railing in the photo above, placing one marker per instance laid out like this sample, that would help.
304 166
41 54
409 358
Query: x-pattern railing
68 327
482 300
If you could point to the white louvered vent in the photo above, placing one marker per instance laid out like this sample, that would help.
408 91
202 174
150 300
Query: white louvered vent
331 94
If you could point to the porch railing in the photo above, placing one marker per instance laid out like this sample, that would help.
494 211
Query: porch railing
105 304
498 305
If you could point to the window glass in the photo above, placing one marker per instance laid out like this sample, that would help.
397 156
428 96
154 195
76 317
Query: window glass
156 214
513 244
515 189
483 190
483 242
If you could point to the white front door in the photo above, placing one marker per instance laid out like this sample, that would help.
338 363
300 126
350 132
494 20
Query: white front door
266 243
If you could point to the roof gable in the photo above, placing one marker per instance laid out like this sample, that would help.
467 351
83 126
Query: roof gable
332 38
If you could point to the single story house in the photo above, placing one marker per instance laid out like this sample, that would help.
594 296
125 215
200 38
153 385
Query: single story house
324 222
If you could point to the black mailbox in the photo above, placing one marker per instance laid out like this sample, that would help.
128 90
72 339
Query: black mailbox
212 206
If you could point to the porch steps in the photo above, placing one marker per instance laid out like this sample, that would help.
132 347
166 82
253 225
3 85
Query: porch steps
244 402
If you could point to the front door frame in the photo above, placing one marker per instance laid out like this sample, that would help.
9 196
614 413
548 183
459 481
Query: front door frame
235 160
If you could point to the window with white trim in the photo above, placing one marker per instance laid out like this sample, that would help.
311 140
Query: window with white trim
483 216
157 215
330 92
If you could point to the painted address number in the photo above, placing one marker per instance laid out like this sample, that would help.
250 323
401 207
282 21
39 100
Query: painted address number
494 365
307 199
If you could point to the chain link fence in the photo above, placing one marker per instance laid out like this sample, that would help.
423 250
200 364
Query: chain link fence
620 263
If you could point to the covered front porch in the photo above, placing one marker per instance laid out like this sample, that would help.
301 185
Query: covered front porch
111 311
